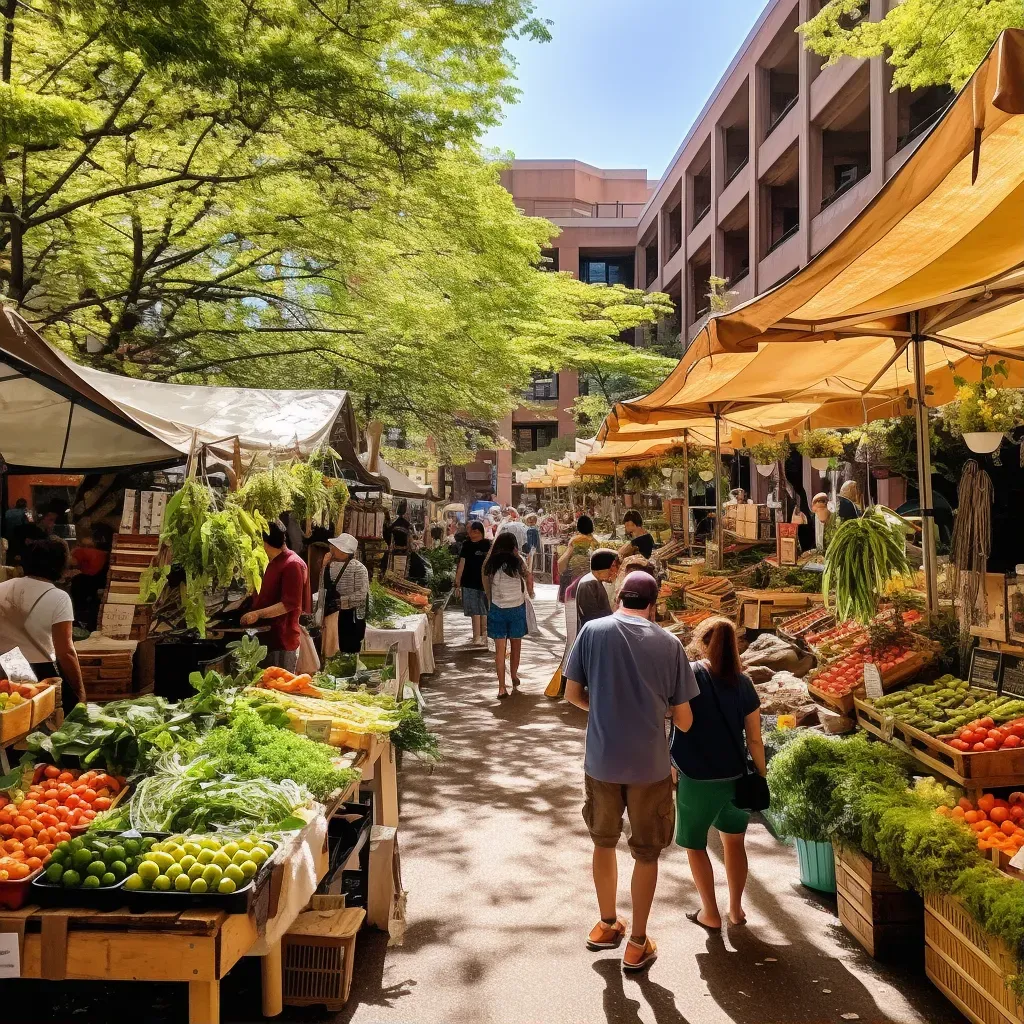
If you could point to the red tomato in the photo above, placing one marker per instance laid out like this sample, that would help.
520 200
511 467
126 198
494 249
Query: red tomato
989 744
1013 740
979 747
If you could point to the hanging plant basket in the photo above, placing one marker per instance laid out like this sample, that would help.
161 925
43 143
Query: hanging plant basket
983 442
766 470
821 465
706 475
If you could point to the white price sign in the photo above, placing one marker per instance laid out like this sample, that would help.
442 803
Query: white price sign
873 682
10 955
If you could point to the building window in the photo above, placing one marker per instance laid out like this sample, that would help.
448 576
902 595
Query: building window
543 387
651 261
607 270
533 437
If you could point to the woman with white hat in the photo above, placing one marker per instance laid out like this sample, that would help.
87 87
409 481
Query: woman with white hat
346 587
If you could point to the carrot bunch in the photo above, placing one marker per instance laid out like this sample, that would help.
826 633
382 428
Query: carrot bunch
58 800
998 823
275 678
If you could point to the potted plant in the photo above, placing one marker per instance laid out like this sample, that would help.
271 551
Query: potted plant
768 454
822 447
702 470
636 479
984 410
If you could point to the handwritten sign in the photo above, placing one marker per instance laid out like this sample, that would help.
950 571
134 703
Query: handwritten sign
873 682
319 729
10 955
985 667
1012 679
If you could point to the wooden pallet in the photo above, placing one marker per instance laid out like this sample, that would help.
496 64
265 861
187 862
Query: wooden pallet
886 920
990 769
969 966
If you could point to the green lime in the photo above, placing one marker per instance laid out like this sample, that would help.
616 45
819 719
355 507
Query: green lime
173 871
71 880
221 859
161 883
148 871
230 849
116 852
54 871
119 869
91 882
82 859
148 842
196 871
77 843
234 872
183 883
266 847
242 857
134 883
108 879
245 844
212 875
209 843
205 855
258 855
162 860
60 854
192 849
97 868
187 861
199 885
225 885
249 868
131 848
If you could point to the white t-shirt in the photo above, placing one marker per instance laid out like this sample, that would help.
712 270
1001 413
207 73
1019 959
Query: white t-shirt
29 609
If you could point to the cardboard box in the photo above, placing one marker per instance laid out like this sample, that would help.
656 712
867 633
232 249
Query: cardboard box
129 513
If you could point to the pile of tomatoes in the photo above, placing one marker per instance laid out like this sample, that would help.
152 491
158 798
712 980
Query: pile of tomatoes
997 822
57 801
984 735
847 674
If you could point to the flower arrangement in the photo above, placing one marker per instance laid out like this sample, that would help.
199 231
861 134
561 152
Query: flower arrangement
769 451
984 406
821 444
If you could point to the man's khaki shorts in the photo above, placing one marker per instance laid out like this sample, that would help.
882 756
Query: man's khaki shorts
652 815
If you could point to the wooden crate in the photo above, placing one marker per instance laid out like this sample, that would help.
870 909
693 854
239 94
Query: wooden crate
967 965
43 703
990 769
15 721
890 681
886 920
318 957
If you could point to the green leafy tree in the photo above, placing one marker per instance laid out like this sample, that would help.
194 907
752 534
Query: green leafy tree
928 42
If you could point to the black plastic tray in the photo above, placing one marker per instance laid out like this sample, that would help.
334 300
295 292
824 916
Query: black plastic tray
46 894
241 901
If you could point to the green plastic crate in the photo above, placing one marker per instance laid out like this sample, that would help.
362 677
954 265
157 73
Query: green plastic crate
817 865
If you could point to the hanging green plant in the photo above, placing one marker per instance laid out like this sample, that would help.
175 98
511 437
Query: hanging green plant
986 405
268 492
637 479
769 451
821 444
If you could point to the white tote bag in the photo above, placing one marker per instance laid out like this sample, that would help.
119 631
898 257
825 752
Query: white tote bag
308 661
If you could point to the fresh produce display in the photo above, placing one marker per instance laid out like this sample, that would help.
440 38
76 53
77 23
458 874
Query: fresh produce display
200 864
947 706
862 557
997 822
275 678
846 675
837 640
10 700
18 692
983 734
194 796
384 608
249 748
814 620
95 862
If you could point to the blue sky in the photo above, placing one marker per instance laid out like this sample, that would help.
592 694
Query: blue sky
621 82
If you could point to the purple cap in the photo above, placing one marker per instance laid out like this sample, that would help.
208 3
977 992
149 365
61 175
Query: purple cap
642 586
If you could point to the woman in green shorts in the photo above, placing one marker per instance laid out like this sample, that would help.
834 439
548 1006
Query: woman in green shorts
708 758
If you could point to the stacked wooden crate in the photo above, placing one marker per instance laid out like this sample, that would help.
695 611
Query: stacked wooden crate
123 613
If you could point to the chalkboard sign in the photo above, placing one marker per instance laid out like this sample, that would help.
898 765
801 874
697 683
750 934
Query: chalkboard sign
1012 679
985 667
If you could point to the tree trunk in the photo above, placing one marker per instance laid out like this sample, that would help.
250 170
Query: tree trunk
461 489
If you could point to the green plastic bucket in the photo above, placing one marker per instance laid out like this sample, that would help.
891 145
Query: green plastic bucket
817 865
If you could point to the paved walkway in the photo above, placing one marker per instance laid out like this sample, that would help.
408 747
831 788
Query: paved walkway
495 858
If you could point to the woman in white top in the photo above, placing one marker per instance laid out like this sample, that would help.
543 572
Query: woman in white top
37 617
508 582
346 586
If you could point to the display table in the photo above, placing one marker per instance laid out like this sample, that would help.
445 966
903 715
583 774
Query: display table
413 639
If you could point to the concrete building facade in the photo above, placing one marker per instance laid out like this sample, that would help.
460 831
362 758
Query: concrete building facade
782 158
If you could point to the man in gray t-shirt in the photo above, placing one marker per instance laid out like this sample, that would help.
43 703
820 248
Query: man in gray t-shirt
630 676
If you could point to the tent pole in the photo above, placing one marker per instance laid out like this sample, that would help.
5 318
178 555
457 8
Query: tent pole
615 507
924 474
719 533
686 489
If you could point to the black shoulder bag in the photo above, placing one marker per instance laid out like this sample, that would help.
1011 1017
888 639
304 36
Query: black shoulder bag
752 792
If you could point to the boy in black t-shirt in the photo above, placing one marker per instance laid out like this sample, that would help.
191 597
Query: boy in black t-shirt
640 541
469 577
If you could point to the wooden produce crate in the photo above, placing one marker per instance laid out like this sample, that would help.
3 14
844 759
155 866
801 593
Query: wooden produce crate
967 965
989 769
318 953
15 721
890 681
44 703
886 920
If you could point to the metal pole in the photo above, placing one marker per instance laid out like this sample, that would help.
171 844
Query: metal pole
924 474
719 535
615 507
686 488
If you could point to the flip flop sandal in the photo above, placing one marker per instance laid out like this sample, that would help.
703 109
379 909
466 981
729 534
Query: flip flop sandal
515 683
650 955
694 917
503 696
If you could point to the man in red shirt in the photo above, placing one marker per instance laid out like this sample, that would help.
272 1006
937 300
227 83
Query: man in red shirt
284 595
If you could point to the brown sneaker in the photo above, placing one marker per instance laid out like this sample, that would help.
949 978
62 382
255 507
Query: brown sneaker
606 936
638 956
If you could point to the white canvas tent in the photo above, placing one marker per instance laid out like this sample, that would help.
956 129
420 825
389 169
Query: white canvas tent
58 416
